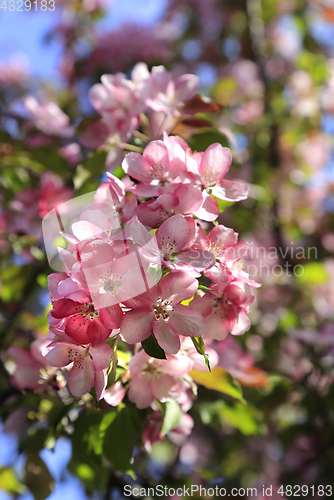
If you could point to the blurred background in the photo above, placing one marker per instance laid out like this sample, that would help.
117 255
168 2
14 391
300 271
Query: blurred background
268 65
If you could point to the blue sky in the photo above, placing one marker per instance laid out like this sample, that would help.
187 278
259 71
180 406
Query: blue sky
22 33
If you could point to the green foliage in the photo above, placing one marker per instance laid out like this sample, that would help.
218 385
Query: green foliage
89 171
37 477
219 380
14 279
119 439
314 274
152 348
172 415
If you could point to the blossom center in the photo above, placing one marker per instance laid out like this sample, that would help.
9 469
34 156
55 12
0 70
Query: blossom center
110 282
163 308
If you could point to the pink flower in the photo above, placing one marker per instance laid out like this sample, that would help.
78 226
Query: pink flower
171 237
225 309
159 164
185 199
28 365
83 323
166 94
222 242
157 378
114 394
152 431
160 309
89 363
49 118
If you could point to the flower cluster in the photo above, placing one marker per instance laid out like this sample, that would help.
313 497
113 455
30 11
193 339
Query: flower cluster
146 265
139 269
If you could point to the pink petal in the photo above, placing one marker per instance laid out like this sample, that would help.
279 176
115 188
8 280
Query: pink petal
136 326
62 354
186 86
138 363
230 190
223 236
138 167
66 307
100 382
209 210
215 328
199 259
242 325
114 394
99 96
176 365
156 153
81 379
236 252
185 320
167 339
101 354
178 286
215 163
173 234
161 386
190 199
111 316
139 392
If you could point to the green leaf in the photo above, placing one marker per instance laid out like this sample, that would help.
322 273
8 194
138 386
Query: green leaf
119 440
88 171
314 273
9 482
37 477
200 348
13 280
87 438
222 204
152 348
51 160
172 417
245 419
201 140
219 380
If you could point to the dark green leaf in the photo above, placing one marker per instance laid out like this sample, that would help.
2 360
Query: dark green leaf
119 440
37 477
152 348
200 348
172 417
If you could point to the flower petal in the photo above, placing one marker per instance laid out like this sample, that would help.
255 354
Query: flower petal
81 379
139 392
101 354
136 326
185 320
215 163
167 339
230 190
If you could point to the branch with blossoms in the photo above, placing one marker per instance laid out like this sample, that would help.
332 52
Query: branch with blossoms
150 284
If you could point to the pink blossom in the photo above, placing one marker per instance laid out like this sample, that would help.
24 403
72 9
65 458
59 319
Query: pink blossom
225 309
48 118
157 378
160 309
152 431
89 363
28 365
185 199
166 94
172 236
83 323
